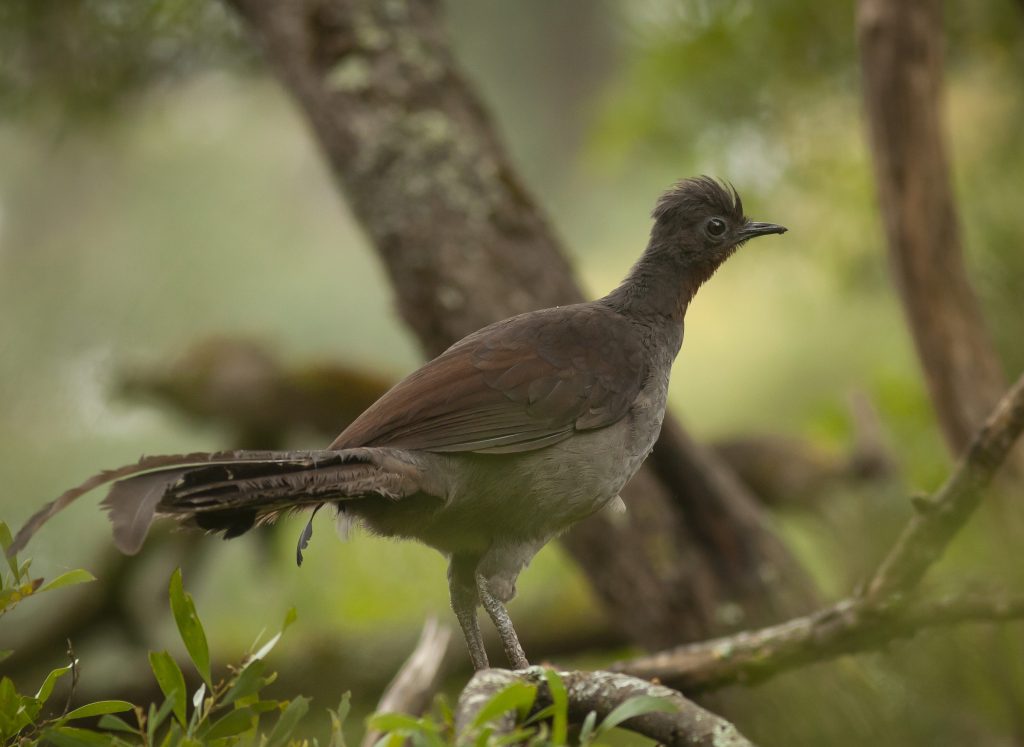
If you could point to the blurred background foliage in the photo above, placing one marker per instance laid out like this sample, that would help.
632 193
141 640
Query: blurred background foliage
157 188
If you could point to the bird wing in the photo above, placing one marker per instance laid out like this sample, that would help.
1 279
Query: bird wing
518 385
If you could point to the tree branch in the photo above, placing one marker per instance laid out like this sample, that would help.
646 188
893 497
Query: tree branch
883 611
939 518
849 626
602 692
901 53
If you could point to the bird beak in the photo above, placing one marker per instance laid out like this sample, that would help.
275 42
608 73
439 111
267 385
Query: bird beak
754 228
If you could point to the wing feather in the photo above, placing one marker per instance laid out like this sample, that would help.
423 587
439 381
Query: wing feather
522 384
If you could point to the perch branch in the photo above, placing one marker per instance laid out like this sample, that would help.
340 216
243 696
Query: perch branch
602 692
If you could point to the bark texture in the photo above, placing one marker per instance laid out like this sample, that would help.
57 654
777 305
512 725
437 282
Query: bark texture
901 53
686 723
464 244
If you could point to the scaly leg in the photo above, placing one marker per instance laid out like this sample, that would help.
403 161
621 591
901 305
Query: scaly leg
499 615
463 589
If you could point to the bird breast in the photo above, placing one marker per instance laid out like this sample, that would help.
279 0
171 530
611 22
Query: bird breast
532 496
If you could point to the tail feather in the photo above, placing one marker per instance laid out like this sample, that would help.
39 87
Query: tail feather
229 491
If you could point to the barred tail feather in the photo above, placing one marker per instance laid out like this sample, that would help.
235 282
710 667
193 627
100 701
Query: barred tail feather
226 491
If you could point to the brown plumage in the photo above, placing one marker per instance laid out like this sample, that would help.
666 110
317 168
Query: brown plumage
491 449
521 384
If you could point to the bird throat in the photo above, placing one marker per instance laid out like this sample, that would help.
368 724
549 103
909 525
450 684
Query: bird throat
661 284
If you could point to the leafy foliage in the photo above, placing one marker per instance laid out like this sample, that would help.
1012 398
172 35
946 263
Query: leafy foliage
222 712
17 585
531 724
233 711
83 58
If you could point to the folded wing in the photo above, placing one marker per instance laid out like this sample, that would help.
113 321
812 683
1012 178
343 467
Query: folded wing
518 385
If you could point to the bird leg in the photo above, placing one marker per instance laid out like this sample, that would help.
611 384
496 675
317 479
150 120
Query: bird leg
465 598
503 623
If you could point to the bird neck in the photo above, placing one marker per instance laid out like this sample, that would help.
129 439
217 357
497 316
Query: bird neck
659 287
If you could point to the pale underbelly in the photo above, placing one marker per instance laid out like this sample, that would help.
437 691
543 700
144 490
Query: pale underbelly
525 498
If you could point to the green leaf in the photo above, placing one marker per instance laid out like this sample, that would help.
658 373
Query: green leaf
517 695
172 682
266 706
46 689
10 597
23 572
338 720
542 715
394 722
4 653
427 735
116 723
174 735
267 647
197 708
98 708
587 732
560 701
230 724
70 578
189 627
443 710
637 705
519 736
286 724
14 710
483 739
247 682
157 717
69 736
5 541
344 706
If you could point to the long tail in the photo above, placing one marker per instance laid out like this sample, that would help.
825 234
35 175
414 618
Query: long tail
231 491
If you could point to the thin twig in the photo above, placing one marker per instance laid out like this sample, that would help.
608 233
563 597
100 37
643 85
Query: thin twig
416 682
939 519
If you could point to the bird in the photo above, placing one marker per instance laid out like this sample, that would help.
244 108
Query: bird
488 451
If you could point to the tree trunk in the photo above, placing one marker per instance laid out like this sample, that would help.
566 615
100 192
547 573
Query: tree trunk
901 43
464 245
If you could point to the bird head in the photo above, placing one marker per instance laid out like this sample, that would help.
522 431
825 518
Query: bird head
701 221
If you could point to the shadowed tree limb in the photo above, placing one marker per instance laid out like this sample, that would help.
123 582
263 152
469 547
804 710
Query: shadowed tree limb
601 692
884 610
901 54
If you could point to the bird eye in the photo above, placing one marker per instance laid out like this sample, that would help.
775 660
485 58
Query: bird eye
715 227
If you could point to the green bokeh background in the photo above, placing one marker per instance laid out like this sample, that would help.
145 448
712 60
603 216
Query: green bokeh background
140 213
